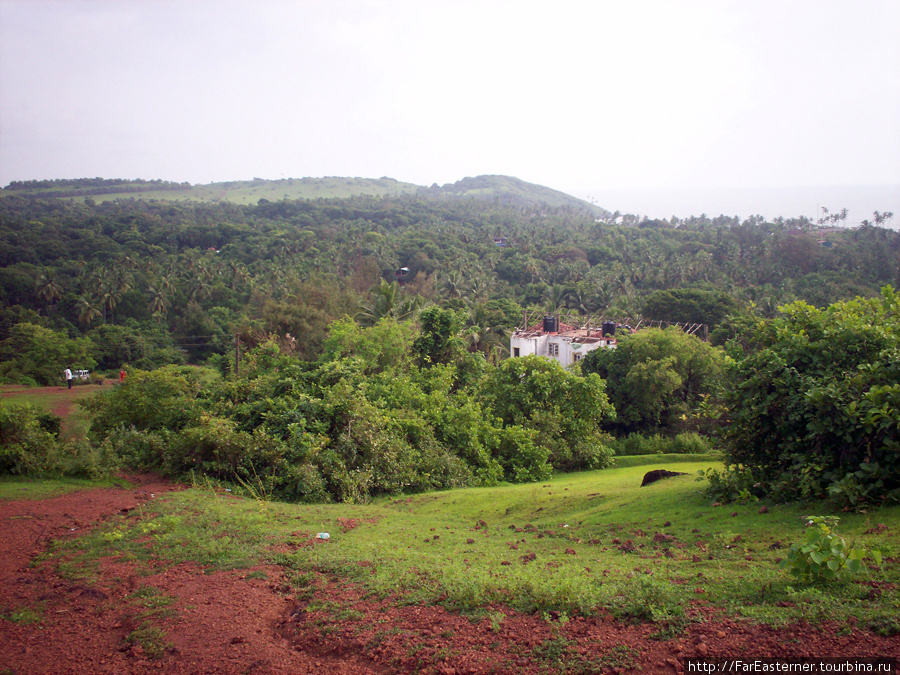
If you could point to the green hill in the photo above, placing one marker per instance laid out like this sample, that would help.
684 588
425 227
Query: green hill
509 190
503 189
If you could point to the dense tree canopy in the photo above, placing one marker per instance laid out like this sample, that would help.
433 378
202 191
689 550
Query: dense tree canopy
657 378
206 272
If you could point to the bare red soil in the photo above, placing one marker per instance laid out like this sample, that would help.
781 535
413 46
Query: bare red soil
252 621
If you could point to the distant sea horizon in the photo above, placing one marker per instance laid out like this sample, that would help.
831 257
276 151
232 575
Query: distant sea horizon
861 201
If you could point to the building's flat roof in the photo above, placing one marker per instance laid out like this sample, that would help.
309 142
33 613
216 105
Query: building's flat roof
580 335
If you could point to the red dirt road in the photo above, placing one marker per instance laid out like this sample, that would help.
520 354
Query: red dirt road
236 622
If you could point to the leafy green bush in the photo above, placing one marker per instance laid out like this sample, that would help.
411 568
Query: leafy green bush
26 447
815 408
33 353
566 410
29 445
824 555
157 400
732 484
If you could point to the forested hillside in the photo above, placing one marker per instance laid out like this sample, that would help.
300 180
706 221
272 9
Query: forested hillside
190 276
502 189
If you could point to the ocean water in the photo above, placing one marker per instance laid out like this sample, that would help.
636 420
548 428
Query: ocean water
861 201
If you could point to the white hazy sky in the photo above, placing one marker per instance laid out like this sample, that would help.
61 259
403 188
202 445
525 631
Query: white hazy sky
597 98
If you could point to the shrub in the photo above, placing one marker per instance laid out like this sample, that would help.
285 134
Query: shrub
565 410
824 555
26 447
157 400
29 445
689 443
686 443
732 484
815 408
33 353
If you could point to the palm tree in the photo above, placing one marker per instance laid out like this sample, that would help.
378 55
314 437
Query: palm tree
580 301
48 288
555 298
533 268
452 285
159 298
109 297
387 301
481 285
201 288
237 272
479 335
88 309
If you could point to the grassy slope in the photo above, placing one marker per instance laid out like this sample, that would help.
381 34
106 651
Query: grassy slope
432 548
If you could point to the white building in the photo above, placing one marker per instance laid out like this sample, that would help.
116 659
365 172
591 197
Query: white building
559 341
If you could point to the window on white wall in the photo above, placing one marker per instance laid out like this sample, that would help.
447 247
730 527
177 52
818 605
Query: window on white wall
553 349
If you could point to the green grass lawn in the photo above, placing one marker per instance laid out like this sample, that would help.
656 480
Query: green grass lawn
14 487
579 543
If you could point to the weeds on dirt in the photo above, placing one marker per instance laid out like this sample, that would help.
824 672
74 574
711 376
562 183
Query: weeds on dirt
154 605
25 615
649 599
620 656
886 626
151 639
151 597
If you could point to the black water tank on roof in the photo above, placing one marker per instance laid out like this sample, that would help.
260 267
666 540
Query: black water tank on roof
550 324
608 328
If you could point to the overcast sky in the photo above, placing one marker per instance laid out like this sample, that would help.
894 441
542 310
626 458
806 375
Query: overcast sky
591 97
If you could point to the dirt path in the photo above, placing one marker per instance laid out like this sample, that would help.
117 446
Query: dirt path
251 621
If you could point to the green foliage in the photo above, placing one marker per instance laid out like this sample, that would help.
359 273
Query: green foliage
564 410
657 379
288 265
141 346
688 443
436 342
163 399
689 305
362 422
30 445
380 346
26 446
824 555
389 302
38 354
732 484
815 408
176 281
